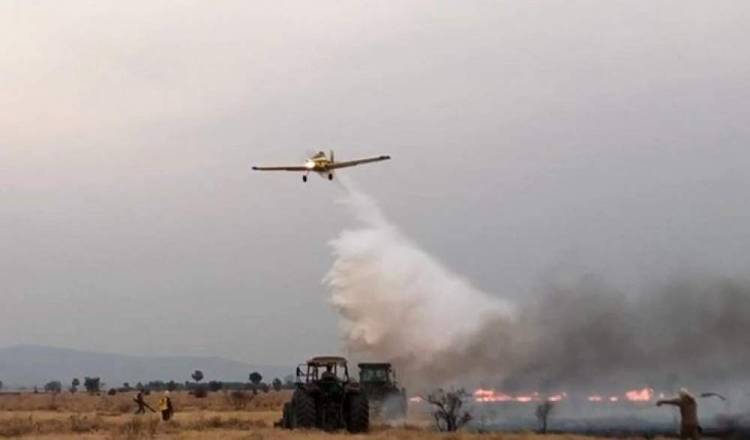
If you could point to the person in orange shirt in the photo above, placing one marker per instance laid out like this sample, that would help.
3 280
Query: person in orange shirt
165 406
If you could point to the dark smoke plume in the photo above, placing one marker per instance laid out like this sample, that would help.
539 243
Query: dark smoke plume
589 335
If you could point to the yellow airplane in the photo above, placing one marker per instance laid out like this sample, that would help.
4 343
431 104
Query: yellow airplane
322 165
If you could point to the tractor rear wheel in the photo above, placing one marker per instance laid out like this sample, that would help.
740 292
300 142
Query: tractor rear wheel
303 410
358 419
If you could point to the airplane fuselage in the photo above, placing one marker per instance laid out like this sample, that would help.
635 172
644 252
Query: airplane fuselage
318 165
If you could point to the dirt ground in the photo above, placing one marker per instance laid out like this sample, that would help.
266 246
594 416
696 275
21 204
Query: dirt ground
218 416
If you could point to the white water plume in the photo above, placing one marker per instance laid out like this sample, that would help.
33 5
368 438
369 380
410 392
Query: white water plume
397 301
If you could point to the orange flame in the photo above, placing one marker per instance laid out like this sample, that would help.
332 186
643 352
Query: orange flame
488 395
482 395
485 395
644 395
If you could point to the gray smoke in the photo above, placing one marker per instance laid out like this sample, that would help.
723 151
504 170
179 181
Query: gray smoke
589 335
398 303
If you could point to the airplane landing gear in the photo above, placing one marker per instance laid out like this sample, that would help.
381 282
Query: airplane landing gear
330 176
304 178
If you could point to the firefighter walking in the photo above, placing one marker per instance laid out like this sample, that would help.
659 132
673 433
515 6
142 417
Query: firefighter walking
142 405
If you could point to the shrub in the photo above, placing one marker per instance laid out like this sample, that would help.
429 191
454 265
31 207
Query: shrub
17 426
137 428
239 399
124 407
83 424
277 385
156 385
200 392
92 384
54 386
74 385
447 406
53 405
215 386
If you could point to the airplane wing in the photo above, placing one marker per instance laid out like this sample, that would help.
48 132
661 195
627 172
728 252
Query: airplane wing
292 168
714 395
351 163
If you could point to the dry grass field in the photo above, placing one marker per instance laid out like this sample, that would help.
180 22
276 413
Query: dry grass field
218 416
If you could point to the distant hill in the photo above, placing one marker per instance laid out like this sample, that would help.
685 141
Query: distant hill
29 365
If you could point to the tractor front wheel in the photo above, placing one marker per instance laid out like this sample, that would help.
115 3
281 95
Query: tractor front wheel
286 416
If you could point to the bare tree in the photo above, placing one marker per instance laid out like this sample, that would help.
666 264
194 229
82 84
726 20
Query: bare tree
542 414
448 415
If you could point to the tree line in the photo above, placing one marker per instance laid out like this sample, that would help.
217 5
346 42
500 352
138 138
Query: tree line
199 388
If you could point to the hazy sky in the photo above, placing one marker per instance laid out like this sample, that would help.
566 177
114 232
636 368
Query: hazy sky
529 139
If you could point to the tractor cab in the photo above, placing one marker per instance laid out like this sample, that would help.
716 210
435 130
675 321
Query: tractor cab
378 373
323 368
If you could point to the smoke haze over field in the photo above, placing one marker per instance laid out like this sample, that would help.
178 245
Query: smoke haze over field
398 303
587 334
533 142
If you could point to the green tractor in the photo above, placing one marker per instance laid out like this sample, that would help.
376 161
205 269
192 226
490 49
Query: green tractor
326 398
378 380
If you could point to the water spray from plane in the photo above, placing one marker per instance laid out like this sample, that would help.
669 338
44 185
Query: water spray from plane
398 302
